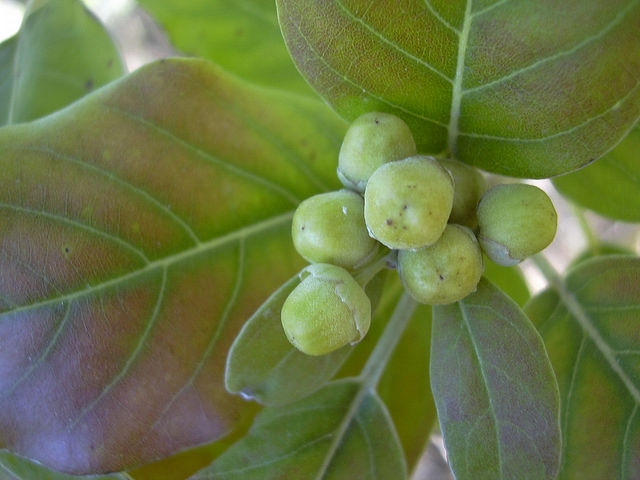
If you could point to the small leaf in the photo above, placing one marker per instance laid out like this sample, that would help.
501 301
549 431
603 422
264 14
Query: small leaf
60 54
494 389
13 467
131 259
241 36
264 366
340 432
591 328
527 89
509 279
611 185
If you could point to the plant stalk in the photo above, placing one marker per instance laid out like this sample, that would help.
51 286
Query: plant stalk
373 369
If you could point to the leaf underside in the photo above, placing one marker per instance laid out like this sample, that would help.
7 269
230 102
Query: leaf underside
130 260
521 88
494 389
596 358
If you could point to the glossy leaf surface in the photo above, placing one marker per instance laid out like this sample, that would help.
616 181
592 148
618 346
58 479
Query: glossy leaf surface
592 333
339 432
494 389
61 53
130 260
611 185
264 366
526 89
242 36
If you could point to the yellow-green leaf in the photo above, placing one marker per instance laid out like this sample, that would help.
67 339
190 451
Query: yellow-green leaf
611 185
591 328
521 88
60 54
243 36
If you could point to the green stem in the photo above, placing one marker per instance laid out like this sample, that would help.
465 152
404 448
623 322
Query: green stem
371 373
365 275
548 271
373 369
592 240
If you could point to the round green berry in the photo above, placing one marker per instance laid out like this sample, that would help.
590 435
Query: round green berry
515 221
469 186
326 311
330 228
407 203
372 139
444 272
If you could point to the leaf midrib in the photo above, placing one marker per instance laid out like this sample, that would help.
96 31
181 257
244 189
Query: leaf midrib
165 262
456 92
465 318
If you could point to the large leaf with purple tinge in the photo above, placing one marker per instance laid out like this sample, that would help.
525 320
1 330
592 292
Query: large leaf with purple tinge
591 327
522 88
139 229
495 392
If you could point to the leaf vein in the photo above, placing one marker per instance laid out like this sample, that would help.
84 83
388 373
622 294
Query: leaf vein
81 225
165 262
130 359
465 318
441 19
392 44
239 172
233 298
613 107
347 80
123 183
606 29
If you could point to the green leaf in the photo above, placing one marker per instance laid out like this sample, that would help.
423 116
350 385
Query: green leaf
61 53
526 89
509 279
341 431
264 366
13 467
131 260
494 389
610 186
591 328
242 36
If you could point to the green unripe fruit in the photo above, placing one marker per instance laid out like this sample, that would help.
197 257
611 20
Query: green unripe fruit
444 272
328 310
469 186
372 139
515 221
330 228
407 203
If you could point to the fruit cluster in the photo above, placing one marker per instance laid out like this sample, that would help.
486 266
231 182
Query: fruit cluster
427 210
